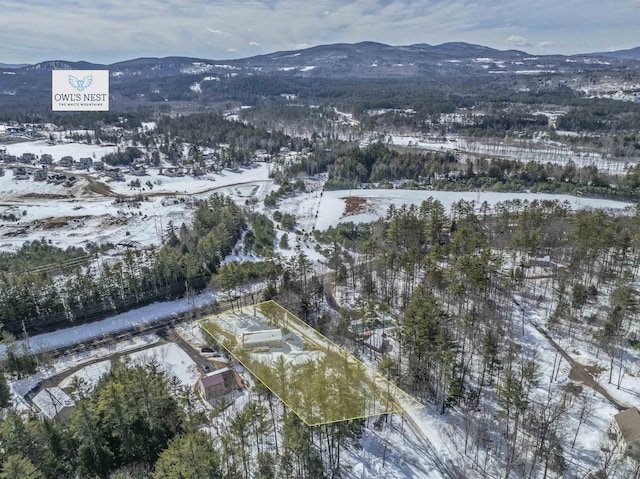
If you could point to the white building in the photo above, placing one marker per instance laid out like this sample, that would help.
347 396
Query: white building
268 338
54 403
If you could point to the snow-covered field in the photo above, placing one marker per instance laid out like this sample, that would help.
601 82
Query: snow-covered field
332 209
79 214
57 151
173 359
170 356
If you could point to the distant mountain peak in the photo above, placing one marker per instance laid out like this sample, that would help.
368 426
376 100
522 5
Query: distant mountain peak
628 54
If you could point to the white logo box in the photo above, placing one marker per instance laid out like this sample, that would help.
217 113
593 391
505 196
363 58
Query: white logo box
80 90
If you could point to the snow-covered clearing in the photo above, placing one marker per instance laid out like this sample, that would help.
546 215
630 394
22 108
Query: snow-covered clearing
170 356
77 215
173 359
332 209
57 151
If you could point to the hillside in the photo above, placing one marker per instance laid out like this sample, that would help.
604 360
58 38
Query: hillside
334 66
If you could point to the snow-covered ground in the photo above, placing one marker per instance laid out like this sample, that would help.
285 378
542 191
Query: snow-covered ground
170 356
141 316
90 375
173 359
57 151
77 215
332 208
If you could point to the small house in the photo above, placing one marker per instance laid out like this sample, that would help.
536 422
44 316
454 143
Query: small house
54 403
137 170
66 162
114 173
268 338
46 159
98 165
20 173
40 175
10 159
57 179
628 431
172 171
84 163
218 383
28 158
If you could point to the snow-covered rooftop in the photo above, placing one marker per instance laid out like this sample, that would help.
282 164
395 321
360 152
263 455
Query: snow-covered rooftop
52 401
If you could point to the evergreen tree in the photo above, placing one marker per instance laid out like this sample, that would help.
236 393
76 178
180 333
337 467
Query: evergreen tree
189 456
18 466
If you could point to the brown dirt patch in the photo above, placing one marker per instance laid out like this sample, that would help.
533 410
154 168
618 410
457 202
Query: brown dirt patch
585 373
100 188
46 196
354 205
55 223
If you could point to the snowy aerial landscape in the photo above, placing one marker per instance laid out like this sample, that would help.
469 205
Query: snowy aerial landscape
341 261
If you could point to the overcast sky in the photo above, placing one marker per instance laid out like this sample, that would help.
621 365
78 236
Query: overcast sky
114 30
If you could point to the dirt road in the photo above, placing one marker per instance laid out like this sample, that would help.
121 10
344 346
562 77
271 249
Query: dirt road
580 372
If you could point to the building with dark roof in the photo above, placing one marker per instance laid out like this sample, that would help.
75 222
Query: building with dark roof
218 383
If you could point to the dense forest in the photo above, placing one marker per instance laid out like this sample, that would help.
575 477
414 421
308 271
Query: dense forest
465 283
138 421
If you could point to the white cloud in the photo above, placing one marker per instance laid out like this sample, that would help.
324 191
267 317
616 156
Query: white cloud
46 29
254 44
217 32
517 41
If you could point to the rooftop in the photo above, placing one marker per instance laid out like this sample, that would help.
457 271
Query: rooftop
214 378
251 337
629 424
51 401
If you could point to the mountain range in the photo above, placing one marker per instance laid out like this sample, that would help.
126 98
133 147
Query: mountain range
183 78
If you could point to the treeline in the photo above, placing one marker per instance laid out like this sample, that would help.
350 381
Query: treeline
211 129
504 124
352 167
42 258
38 300
123 157
304 120
598 115
131 118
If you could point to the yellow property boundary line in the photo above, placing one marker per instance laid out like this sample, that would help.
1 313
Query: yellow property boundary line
396 395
